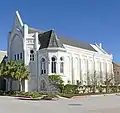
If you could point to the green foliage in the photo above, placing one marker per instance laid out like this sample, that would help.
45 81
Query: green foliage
21 72
70 89
8 70
100 89
49 96
33 94
1 68
56 79
21 94
14 70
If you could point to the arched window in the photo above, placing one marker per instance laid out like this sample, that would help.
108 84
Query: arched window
43 66
31 55
53 65
61 65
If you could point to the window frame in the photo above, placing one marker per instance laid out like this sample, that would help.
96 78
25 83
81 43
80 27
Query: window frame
32 55
61 65
17 56
43 65
53 65
21 56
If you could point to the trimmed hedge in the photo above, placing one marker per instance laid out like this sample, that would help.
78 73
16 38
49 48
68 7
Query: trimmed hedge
82 94
24 94
27 94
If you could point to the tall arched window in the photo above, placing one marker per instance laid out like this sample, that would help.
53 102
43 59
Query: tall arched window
31 55
61 65
53 65
43 66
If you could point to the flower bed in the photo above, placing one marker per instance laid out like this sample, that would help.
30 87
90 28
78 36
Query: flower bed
50 97
23 96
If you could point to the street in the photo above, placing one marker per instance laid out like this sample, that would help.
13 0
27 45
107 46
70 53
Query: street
99 104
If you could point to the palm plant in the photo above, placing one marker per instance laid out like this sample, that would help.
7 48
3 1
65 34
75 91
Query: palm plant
14 70
21 74
8 71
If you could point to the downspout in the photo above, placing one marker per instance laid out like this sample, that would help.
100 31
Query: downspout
37 50
37 74
72 71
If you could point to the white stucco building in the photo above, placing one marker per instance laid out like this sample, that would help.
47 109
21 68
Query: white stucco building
46 53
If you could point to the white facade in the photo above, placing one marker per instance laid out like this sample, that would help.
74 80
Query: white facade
74 64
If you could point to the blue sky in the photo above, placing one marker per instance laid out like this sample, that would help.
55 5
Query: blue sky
92 21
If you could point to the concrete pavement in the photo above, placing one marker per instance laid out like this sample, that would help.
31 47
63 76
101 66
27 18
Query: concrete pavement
100 104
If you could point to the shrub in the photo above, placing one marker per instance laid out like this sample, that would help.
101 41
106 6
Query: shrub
19 93
32 94
49 96
56 79
70 89
100 89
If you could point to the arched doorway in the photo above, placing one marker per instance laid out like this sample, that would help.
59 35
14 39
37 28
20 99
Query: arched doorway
3 84
42 85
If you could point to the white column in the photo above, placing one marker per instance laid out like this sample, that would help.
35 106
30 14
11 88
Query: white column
36 41
24 43
80 70
37 69
101 76
8 48
112 73
57 66
87 70
26 85
72 68
49 66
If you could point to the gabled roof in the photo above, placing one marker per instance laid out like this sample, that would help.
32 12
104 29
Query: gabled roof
99 49
50 39
2 55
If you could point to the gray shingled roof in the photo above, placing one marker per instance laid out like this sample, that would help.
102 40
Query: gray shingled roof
76 43
49 39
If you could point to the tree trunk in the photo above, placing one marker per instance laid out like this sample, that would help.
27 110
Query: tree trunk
9 85
20 85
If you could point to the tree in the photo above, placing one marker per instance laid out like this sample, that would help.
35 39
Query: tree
21 74
8 71
14 70
1 68
109 81
57 81
94 81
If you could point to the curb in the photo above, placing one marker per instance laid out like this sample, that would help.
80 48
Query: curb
115 94
75 97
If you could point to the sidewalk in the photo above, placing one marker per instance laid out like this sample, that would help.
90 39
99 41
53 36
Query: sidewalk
85 96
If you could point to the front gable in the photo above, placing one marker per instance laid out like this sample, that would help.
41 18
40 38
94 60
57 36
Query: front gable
18 24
